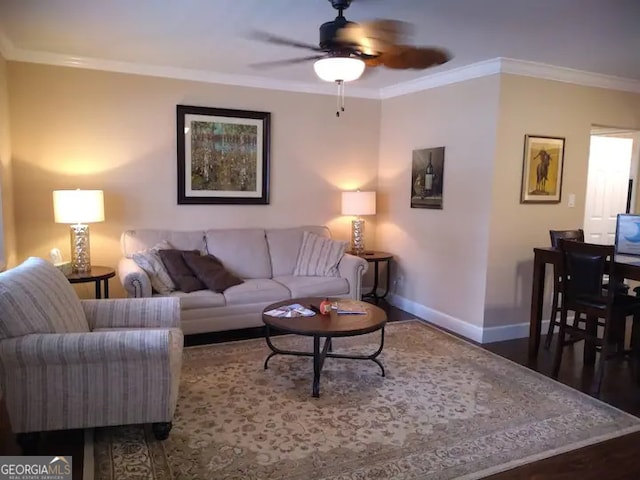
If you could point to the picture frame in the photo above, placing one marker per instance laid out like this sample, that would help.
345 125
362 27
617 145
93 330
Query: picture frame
223 156
427 178
542 166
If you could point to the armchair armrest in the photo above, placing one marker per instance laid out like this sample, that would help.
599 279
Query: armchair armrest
134 279
353 268
66 349
155 312
123 376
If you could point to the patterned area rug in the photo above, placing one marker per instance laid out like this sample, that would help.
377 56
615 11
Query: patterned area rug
446 409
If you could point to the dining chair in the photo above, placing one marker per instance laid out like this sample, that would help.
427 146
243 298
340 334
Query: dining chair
582 273
556 236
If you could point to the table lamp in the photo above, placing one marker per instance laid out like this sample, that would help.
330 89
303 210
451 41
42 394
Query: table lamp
358 203
79 207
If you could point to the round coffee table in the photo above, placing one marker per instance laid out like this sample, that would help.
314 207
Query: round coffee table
325 326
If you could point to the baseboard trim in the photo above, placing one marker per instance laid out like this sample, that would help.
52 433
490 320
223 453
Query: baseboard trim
460 327
440 319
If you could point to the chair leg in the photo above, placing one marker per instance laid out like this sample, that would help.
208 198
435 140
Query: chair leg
559 344
635 345
596 384
553 322
28 442
161 430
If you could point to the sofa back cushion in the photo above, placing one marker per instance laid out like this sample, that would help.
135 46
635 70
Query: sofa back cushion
284 245
243 252
132 241
35 297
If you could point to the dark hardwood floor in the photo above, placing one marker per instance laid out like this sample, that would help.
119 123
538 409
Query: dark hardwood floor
616 459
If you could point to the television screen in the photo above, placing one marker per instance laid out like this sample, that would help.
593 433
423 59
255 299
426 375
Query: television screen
628 234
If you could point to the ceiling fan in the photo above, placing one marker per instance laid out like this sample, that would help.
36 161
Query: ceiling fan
346 47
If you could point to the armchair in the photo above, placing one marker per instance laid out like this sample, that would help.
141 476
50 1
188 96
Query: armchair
67 363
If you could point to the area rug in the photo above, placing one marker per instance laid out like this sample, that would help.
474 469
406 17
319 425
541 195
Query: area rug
446 409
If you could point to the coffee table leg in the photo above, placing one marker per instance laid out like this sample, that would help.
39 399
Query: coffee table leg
317 366
271 346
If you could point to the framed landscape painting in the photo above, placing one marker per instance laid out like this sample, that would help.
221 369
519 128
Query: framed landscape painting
542 169
223 156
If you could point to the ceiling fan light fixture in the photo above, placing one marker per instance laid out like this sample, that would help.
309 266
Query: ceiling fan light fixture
333 69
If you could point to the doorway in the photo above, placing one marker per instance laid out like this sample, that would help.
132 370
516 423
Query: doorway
611 181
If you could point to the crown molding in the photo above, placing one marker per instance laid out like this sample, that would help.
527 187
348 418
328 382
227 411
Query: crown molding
484 68
322 88
460 74
567 75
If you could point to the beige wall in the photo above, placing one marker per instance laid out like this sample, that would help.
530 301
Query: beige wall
441 254
74 128
467 267
7 225
540 107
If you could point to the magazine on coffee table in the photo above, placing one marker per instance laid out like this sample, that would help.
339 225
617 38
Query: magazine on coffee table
350 308
290 311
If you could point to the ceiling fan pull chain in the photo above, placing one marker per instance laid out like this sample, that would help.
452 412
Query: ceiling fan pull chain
340 97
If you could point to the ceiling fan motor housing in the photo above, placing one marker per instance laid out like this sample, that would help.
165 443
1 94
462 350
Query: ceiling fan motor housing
329 38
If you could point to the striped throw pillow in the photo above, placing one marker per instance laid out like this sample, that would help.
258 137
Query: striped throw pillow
319 256
149 260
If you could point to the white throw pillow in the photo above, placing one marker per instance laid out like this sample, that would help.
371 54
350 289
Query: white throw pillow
319 256
151 263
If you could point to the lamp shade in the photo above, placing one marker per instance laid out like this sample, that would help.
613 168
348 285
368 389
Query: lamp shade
358 203
78 206
332 69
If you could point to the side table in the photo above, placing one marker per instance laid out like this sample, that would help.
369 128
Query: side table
99 275
375 258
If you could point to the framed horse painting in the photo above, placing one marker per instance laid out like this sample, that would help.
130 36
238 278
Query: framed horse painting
542 169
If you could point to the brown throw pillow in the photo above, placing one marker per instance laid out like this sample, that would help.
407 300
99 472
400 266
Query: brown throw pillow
211 272
183 277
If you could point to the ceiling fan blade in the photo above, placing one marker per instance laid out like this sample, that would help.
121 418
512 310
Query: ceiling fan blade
287 61
405 57
374 37
275 39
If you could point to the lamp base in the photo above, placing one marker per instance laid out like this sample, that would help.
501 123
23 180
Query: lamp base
357 236
80 254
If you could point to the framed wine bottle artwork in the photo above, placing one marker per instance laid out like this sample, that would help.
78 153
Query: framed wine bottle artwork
427 178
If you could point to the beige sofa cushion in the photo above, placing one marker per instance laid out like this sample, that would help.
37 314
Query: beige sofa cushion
132 241
243 252
284 244
256 291
314 286
199 299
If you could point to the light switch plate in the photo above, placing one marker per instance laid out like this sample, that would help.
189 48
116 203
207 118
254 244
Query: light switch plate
572 200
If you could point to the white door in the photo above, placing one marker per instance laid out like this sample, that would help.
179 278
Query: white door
607 186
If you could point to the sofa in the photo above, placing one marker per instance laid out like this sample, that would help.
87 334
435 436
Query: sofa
67 363
265 259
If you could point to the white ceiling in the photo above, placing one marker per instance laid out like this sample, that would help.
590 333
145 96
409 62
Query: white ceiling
600 36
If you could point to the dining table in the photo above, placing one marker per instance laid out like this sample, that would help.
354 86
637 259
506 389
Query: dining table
625 266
